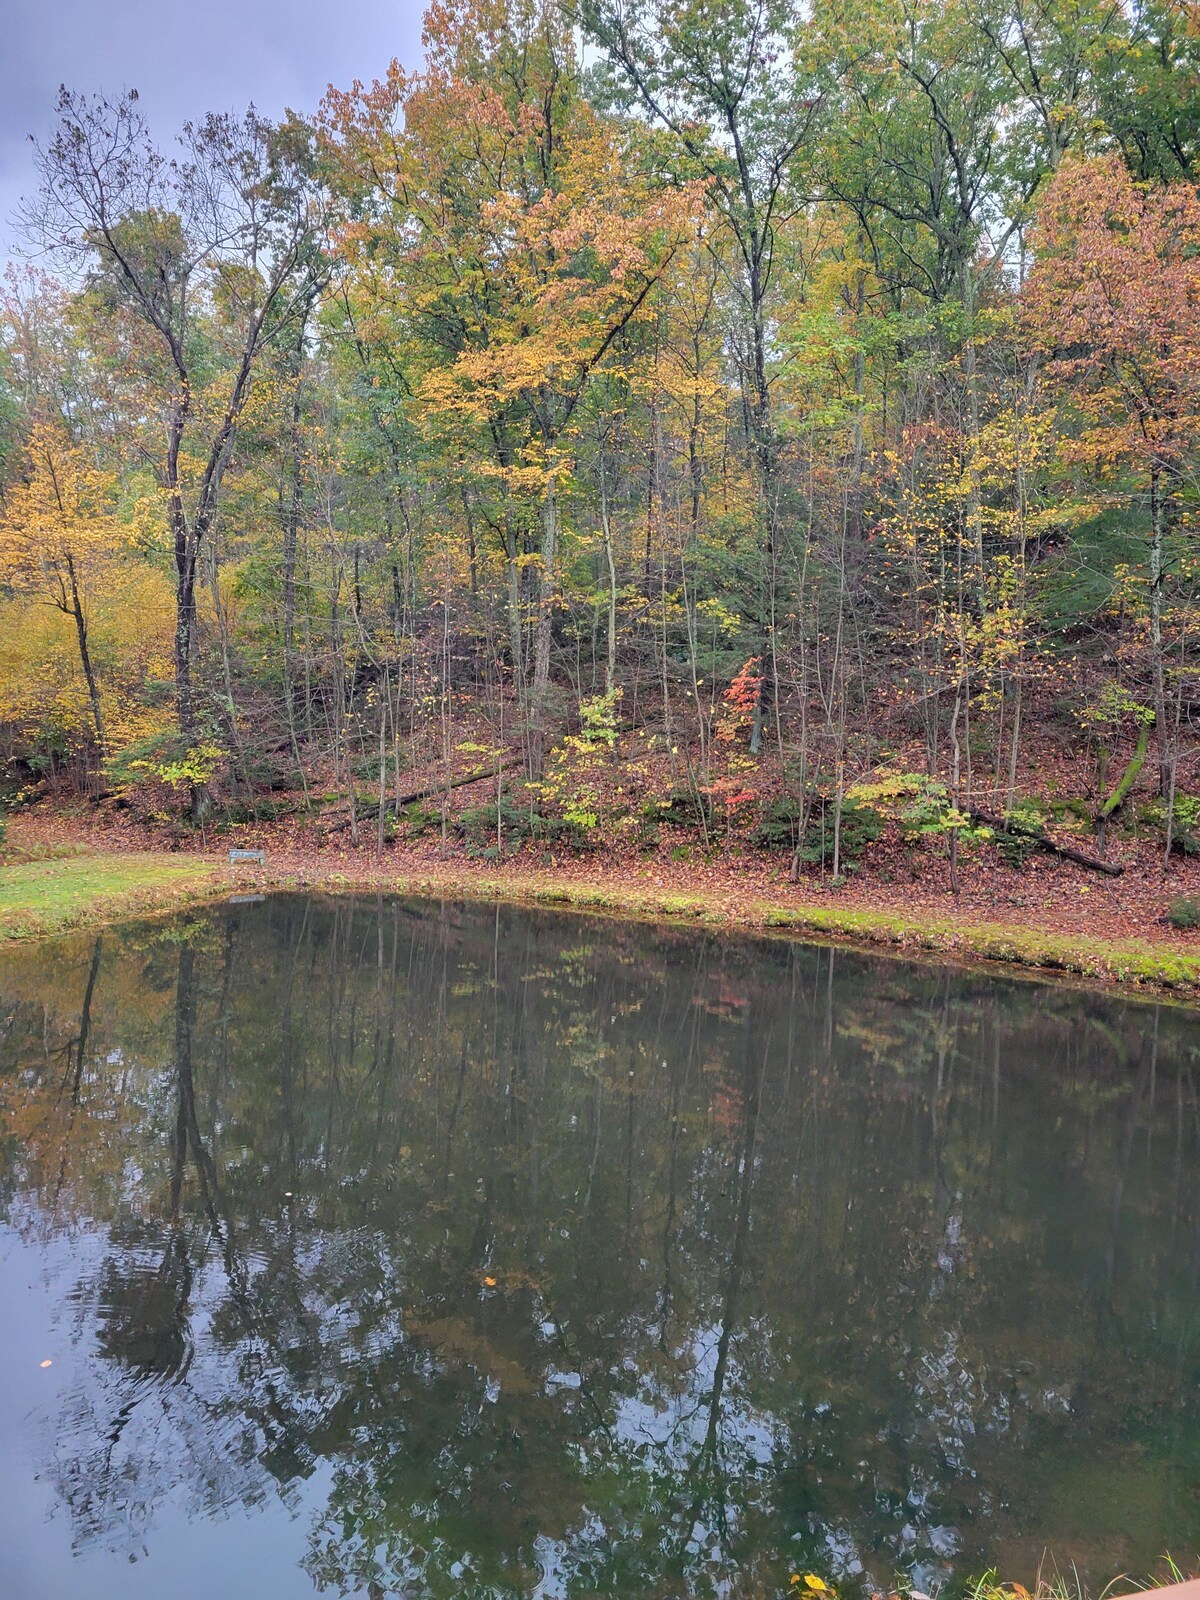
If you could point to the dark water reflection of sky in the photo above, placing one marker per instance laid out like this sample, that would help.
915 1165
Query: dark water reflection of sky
381 1247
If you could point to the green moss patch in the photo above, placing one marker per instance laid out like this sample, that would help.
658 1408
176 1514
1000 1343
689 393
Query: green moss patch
1120 960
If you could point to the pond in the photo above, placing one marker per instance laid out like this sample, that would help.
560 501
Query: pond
381 1247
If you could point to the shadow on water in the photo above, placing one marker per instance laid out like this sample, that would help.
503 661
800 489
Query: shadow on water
469 1251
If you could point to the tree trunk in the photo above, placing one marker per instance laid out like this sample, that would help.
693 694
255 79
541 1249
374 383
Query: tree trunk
766 455
291 530
199 797
545 621
1162 734
85 657
606 524
955 781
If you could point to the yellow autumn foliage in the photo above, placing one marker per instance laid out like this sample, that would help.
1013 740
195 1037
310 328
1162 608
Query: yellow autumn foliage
43 695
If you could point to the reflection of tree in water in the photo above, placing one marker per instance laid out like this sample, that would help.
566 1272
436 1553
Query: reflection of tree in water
144 1427
640 1261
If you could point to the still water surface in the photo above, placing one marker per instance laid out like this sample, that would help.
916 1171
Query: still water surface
393 1248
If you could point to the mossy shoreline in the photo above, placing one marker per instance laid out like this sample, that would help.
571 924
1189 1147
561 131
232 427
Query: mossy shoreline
41 898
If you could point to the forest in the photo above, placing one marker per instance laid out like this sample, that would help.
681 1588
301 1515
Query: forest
762 425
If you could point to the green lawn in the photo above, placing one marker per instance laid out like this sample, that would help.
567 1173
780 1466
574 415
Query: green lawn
38 897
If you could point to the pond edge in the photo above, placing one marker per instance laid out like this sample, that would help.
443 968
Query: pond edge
39 899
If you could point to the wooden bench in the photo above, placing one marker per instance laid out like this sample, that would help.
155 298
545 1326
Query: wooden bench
258 856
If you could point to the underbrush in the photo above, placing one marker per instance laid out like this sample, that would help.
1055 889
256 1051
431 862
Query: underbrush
490 828
1184 913
1050 1583
788 823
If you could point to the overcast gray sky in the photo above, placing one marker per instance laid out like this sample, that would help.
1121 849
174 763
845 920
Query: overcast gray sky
183 59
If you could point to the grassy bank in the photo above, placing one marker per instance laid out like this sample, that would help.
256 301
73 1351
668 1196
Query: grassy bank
85 889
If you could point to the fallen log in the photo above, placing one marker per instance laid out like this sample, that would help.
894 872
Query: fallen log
1128 778
426 792
410 799
989 819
